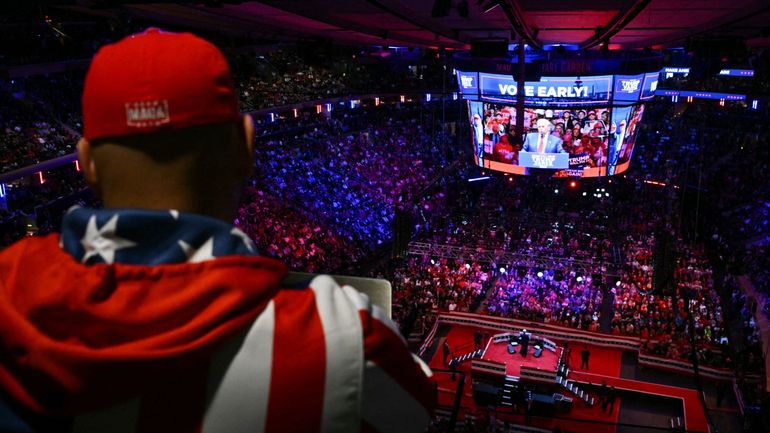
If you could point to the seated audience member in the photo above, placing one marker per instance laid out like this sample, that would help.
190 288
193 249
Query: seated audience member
155 313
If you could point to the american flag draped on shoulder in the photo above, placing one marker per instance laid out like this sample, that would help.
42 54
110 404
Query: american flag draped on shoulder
205 340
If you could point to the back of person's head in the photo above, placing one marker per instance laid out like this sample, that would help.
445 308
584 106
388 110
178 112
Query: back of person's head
161 126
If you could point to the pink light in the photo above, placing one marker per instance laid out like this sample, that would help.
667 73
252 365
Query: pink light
655 182
77 165
40 177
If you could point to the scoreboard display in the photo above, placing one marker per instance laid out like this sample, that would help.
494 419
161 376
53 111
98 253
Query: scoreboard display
574 126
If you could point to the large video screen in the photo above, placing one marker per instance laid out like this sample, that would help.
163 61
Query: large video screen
627 120
546 92
582 141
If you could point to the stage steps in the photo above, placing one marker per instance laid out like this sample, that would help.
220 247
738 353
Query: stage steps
506 399
563 370
470 355
572 387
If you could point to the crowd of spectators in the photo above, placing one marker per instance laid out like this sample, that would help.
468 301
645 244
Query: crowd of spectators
423 284
292 233
353 181
284 77
559 296
29 136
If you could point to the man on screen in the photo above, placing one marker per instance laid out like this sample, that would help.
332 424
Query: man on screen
542 141
478 134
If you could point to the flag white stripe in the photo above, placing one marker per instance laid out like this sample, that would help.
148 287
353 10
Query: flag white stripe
388 407
344 355
380 315
239 400
361 301
423 366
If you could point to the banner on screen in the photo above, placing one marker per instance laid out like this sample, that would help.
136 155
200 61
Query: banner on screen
548 91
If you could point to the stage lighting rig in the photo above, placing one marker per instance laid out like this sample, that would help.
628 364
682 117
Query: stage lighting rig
487 5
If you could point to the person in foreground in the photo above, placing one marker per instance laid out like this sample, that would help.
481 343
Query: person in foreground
155 314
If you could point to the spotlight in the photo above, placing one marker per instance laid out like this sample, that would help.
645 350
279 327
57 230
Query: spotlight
467 266
540 275
573 184
579 279
432 262
617 283
488 5
502 270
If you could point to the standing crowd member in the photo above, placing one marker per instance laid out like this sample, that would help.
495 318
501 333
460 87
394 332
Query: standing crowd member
585 354
155 313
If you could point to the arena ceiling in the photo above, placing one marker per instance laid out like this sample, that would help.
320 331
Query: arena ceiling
454 23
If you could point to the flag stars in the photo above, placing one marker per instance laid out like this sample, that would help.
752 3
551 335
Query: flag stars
244 238
103 242
203 253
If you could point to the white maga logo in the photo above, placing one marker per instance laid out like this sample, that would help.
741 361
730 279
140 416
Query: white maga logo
467 81
147 113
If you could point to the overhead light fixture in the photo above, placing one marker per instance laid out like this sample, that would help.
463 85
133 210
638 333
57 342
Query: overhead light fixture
487 6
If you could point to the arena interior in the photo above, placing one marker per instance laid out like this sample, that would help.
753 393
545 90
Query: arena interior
570 200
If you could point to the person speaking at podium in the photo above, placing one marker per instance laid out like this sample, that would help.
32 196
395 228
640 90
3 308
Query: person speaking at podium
542 141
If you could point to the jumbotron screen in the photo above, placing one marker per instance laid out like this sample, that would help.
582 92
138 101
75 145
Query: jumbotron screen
573 126
572 142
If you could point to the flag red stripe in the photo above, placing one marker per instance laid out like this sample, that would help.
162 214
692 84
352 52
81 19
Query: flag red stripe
296 390
387 350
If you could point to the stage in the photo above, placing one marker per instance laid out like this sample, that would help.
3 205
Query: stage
605 366
498 352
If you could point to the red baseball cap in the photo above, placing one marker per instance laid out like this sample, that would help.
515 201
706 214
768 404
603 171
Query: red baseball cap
154 81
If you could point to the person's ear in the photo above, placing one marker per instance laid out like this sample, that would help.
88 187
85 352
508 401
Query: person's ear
248 136
87 165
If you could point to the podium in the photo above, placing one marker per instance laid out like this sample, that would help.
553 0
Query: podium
543 160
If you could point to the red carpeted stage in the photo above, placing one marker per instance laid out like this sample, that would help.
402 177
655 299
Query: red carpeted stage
604 365
498 351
